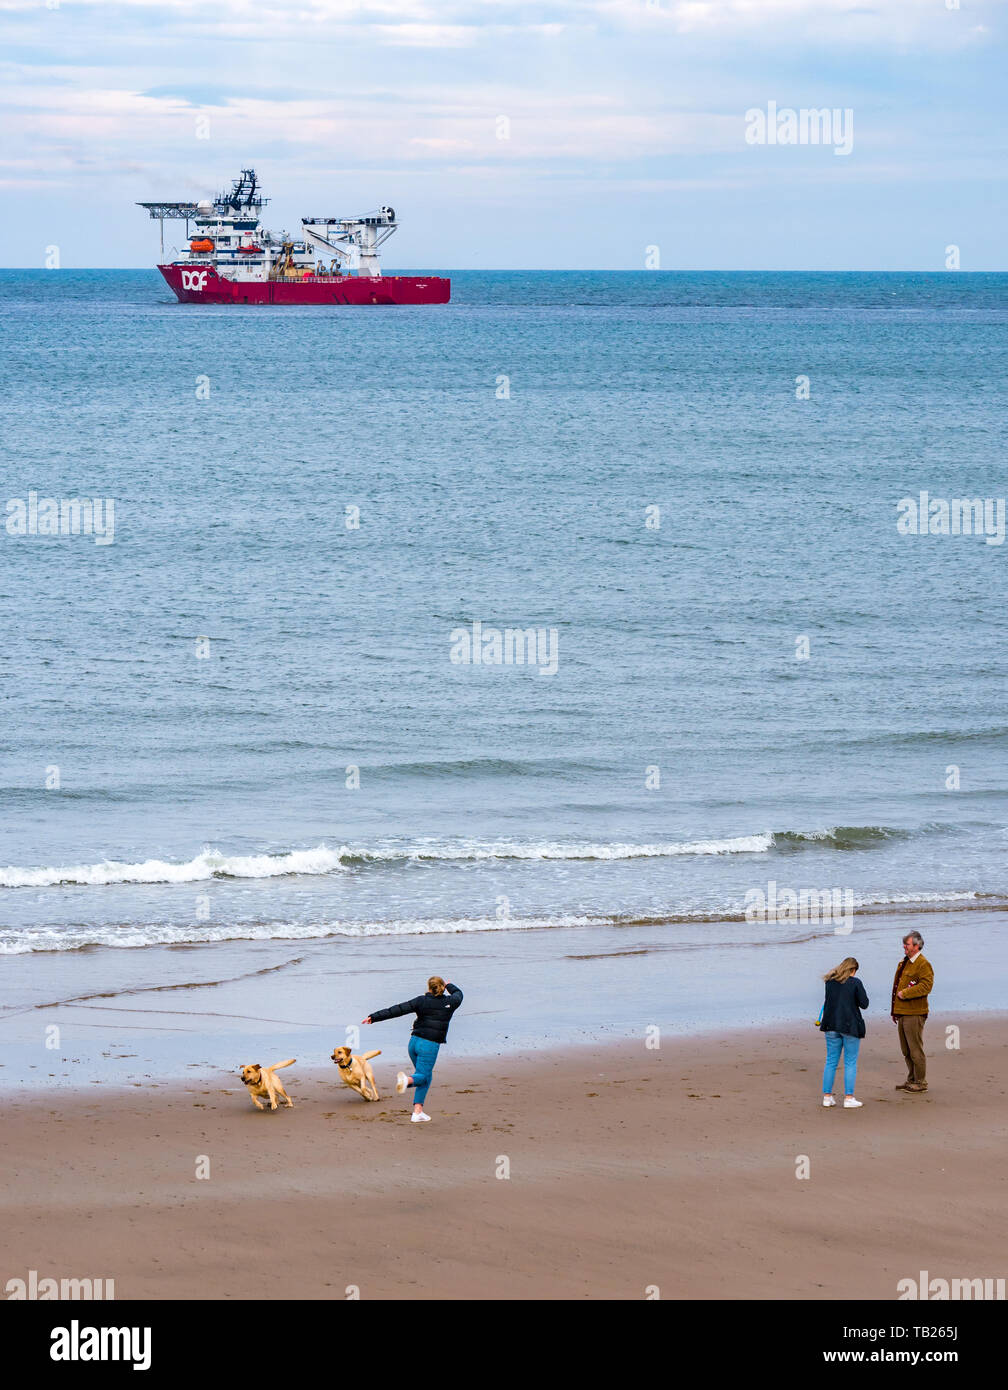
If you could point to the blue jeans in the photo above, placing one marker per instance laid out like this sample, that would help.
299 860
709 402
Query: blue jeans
423 1055
849 1046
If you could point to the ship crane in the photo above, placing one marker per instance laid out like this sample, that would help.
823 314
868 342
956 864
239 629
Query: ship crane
355 240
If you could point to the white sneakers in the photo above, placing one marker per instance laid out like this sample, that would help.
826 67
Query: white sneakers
401 1083
828 1101
850 1103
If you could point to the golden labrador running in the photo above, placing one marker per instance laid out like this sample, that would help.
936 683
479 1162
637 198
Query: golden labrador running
261 1082
356 1071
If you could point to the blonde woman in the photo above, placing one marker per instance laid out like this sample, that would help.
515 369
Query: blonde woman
844 1027
434 1012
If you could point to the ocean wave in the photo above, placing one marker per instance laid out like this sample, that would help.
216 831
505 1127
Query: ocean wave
866 904
208 864
476 849
843 836
15 941
77 938
212 863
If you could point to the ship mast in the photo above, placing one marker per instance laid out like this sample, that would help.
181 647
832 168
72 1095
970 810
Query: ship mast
244 195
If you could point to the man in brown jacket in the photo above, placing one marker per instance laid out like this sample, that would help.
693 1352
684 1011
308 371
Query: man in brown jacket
911 987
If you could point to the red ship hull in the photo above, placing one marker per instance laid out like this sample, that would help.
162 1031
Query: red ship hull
198 284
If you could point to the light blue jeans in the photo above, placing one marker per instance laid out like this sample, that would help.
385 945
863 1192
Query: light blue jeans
849 1046
423 1055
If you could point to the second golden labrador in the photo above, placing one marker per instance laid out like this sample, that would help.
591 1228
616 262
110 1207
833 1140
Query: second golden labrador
356 1071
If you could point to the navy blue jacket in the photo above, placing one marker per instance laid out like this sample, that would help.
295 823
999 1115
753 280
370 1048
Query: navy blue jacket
842 1007
433 1013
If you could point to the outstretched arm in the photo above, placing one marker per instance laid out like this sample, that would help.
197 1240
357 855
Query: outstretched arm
396 1011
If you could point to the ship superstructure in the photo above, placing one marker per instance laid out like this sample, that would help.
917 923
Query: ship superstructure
231 259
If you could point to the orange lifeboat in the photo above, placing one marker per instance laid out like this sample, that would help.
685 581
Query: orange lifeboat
201 244
249 250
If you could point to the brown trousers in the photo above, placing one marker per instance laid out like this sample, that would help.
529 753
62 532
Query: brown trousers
911 1036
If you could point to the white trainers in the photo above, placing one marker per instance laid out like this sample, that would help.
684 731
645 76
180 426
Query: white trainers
850 1103
418 1116
401 1082
828 1101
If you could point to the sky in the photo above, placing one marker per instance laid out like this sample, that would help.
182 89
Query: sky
565 134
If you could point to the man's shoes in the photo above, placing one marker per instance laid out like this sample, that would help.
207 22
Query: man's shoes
915 1086
903 1085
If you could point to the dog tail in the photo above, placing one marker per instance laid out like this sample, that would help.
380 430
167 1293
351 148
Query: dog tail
366 1056
289 1063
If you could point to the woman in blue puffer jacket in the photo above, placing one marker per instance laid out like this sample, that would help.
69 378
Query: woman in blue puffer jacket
434 1012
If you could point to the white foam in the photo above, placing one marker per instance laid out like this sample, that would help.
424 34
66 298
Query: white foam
74 938
209 863
884 899
14 942
504 849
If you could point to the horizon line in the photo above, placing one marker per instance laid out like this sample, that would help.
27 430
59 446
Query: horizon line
574 270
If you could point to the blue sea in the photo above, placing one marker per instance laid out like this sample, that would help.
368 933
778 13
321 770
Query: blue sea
242 725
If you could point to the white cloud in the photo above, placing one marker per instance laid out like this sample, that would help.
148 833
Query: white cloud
463 23
431 124
426 35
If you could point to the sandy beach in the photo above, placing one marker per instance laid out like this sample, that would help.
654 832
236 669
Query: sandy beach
670 1170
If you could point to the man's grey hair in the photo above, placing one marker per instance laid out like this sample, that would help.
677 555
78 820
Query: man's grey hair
915 937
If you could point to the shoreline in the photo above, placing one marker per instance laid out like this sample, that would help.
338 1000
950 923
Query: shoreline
627 1168
116 1017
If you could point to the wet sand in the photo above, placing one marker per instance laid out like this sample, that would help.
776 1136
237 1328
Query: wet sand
629 1170
124 1015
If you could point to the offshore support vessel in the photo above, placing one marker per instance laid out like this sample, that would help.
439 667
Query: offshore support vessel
231 259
